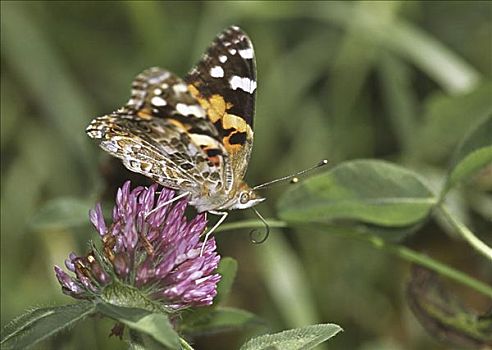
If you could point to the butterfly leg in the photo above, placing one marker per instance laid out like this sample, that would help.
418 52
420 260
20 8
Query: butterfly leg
223 215
162 205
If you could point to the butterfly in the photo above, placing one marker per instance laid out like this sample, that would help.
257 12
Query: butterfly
193 135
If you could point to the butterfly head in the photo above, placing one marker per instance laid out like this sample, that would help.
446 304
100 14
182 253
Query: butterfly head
245 198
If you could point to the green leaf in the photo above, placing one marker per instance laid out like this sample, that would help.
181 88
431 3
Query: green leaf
474 153
299 338
220 319
447 118
370 191
39 324
156 325
62 213
390 234
227 269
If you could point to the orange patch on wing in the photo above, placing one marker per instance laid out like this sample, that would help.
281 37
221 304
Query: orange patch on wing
235 141
231 121
145 114
193 90
212 158
215 106
177 123
239 125
196 94
218 107
215 160
231 148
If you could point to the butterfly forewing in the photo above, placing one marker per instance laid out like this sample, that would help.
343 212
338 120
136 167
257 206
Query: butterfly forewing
224 82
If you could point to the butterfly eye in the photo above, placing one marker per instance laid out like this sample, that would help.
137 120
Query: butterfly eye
244 198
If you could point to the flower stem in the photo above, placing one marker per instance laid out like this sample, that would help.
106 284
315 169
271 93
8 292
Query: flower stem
426 261
467 234
184 344
395 249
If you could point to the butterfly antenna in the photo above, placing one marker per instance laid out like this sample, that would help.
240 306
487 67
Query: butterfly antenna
293 176
264 235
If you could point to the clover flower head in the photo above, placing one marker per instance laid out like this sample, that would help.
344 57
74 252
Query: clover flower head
148 250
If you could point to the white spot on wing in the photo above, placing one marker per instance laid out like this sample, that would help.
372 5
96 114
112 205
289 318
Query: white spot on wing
95 134
158 101
157 91
138 93
195 110
109 146
216 72
180 88
223 58
245 84
246 53
158 77
232 51
204 140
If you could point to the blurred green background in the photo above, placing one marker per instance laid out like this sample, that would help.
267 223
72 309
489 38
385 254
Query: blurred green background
401 81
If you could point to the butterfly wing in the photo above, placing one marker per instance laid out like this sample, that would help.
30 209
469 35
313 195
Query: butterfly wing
224 83
163 133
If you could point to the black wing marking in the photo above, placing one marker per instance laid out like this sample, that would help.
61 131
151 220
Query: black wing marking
228 69
224 83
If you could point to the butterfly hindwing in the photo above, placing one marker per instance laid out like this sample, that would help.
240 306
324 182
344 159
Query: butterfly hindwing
224 83
159 93
163 133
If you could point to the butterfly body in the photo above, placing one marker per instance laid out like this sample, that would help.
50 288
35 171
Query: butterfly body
195 134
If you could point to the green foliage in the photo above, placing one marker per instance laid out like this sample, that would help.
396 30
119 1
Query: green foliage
227 270
219 319
444 314
474 153
39 324
148 329
154 325
62 213
447 118
294 339
287 283
371 191
397 84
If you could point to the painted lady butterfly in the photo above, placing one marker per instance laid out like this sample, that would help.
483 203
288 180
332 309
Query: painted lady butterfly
195 134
